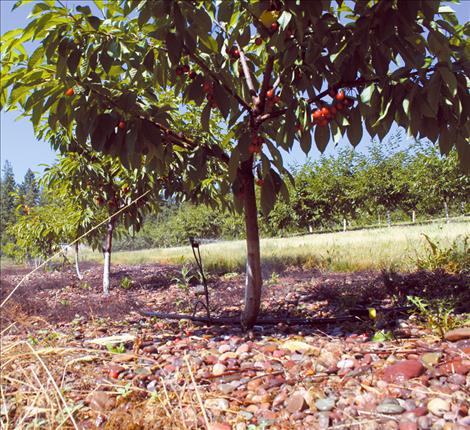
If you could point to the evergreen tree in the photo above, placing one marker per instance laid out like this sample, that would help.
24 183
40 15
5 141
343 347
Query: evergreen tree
29 190
8 200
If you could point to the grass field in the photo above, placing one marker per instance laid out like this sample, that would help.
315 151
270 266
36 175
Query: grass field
395 247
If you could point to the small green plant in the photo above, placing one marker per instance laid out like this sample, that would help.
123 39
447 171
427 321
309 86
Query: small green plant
437 315
452 259
274 279
116 349
33 340
85 286
64 302
185 279
126 283
382 336
125 391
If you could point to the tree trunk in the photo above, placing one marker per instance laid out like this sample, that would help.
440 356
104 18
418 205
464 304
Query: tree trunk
253 282
77 267
389 218
413 217
446 211
344 224
108 243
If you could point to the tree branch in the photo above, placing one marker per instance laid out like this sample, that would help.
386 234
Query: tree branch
202 65
247 73
265 85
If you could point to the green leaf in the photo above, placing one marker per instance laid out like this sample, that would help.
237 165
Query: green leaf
149 60
205 117
222 99
322 137
449 79
174 45
354 131
73 60
95 22
366 93
306 141
105 60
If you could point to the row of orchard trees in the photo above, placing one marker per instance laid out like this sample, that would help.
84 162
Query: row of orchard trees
277 71
366 188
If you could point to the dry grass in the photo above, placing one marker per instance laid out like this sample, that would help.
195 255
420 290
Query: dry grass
395 247
47 387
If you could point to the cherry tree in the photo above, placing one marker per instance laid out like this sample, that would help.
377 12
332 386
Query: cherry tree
279 72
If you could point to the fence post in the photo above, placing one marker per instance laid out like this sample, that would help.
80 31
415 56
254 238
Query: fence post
446 210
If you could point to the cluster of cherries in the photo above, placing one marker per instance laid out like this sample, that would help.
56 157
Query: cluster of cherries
256 144
322 116
185 70
208 88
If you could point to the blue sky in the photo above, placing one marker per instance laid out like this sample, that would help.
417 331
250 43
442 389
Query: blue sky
21 148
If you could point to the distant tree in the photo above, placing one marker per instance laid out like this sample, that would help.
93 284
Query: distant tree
28 191
8 200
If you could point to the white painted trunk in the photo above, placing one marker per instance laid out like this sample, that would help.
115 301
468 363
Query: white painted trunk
446 210
389 219
106 267
413 217
344 224
77 266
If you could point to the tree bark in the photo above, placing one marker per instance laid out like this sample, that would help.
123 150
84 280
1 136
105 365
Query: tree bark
253 282
77 267
108 243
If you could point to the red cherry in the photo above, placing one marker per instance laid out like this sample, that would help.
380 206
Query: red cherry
275 26
192 74
235 53
339 106
317 114
323 122
69 92
185 68
348 102
333 110
260 182
113 374
122 125
325 111
270 93
179 71
258 41
207 87
340 96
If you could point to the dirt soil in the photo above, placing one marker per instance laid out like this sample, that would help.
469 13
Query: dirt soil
177 374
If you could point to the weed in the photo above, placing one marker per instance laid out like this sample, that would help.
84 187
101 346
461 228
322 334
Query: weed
125 391
382 336
185 279
274 279
437 315
33 340
126 283
64 302
116 349
452 259
85 286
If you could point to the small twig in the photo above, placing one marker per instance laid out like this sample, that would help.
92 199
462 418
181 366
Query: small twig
198 395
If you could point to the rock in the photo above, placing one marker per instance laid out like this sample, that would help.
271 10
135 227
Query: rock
152 386
390 406
100 401
224 348
424 422
298 346
456 378
457 365
438 406
345 364
296 403
219 426
218 369
326 404
430 359
402 371
323 420
243 348
407 425
226 388
219 404
458 334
